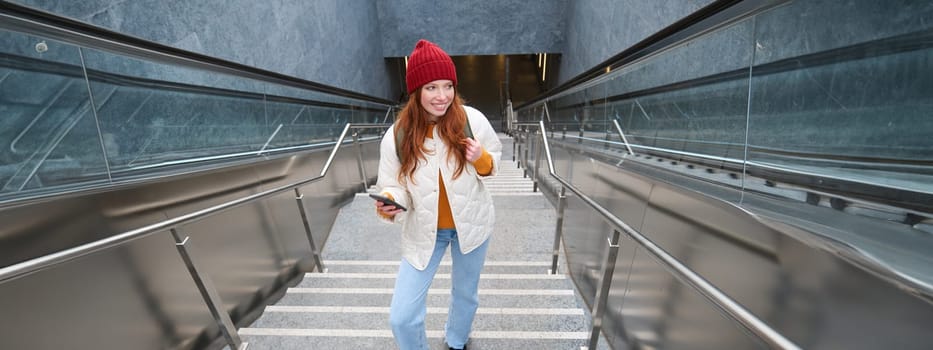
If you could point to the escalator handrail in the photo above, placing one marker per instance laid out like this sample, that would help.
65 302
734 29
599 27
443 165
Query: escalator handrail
40 23
683 273
27 267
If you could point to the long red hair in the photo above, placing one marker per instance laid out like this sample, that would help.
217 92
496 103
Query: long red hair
413 121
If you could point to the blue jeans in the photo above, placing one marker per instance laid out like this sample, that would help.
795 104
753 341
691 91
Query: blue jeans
409 301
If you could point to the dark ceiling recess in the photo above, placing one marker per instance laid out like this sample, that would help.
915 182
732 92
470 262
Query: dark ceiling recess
482 79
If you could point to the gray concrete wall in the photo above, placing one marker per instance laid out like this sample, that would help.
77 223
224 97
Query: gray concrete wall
477 27
295 38
598 29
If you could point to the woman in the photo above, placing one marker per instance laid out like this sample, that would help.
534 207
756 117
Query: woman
433 169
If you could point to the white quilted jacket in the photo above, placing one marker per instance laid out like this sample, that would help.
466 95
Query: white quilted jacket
470 203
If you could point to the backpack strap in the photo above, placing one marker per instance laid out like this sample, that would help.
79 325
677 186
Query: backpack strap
400 133
467 130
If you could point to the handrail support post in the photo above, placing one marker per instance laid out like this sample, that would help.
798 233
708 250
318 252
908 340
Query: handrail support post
537 159
359 160
525 169
208 292
315 256
514 143
559 230
605 282
521 140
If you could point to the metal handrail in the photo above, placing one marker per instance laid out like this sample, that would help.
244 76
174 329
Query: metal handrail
27 267
735 310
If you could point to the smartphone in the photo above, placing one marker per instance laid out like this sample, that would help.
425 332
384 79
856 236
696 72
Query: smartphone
385 200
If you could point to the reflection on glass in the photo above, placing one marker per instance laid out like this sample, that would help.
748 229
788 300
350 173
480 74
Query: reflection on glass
859 111
151 126
568 113
307 123
75 117
47 130
704 119
691 98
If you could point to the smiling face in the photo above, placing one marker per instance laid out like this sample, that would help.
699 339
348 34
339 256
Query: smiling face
437 96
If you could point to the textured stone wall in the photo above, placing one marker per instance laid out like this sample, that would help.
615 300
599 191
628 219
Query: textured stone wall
333 42
598 29
478 27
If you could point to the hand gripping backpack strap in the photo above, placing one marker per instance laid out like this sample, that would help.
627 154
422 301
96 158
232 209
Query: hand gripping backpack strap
467 130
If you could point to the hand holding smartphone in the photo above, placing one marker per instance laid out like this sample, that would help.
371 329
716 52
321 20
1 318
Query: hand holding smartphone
387 201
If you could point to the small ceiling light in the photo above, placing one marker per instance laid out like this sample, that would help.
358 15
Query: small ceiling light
544 68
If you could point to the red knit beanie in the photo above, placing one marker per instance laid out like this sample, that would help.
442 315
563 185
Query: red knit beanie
428 63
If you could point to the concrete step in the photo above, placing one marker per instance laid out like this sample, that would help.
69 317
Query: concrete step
510 192
508 182
508 177
288 339
375 318
389 266
509 174
441 281
380 297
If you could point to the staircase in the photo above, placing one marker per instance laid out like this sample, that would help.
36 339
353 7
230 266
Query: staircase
347 307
